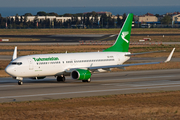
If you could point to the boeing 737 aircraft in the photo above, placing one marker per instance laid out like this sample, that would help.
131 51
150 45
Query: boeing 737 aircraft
78 65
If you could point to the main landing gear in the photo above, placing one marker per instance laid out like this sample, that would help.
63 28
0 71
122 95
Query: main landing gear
61 78
89 80
20 82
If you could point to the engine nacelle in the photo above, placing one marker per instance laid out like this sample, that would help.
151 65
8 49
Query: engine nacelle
81 74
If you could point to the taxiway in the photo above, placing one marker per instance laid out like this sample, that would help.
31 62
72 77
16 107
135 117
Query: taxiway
102 84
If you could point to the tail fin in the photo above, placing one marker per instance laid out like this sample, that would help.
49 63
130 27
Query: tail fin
123 39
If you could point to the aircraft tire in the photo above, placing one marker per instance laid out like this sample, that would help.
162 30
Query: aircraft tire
58 79
20 82
88 81
61 79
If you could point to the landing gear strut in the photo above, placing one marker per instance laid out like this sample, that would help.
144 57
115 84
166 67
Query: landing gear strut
61 78
89 80
20 82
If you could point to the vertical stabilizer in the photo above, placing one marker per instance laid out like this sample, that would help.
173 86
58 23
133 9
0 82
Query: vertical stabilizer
15 53
123 39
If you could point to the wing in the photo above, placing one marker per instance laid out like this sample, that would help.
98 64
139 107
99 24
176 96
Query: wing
133 54
123 65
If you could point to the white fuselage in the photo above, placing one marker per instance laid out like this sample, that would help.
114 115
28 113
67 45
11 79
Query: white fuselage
56 64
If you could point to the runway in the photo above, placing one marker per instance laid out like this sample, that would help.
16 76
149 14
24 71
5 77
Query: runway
102 84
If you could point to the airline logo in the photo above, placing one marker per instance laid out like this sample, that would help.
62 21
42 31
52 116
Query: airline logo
124 34
46 59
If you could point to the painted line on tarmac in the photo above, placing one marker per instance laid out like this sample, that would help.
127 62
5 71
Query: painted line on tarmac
112 35
150 84
121 78
6 85
93 91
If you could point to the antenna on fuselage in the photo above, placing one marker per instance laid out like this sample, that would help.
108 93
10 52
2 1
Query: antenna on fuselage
15 53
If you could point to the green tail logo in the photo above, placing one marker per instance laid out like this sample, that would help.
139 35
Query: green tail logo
123 39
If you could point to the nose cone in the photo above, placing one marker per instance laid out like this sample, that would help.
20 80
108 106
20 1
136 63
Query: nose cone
9 70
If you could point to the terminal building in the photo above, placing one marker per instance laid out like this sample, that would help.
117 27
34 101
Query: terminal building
176 18
148 18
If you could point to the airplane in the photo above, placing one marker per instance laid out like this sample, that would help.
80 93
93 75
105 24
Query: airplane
79 66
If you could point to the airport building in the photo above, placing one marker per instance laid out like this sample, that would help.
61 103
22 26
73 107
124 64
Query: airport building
148 18
42 18
176 18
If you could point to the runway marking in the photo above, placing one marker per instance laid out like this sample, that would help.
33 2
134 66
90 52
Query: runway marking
112 35
175 83
6 85
156 77
93 91
135 78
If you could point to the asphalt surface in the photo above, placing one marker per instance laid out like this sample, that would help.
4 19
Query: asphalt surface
75 38
102 84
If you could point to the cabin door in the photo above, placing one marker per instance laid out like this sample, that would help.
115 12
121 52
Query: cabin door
31 67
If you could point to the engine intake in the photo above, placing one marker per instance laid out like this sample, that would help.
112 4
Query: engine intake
81 74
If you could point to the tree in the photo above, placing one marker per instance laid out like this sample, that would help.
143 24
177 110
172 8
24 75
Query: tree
104 20
17 20
67 15
124 17
53 14
118 20
12 22
88 23
93 13
28 14
78 14
21 19
166 20
95 17
41 13
157 15
1 22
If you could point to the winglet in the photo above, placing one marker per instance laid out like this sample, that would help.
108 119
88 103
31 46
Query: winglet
15 53
170 56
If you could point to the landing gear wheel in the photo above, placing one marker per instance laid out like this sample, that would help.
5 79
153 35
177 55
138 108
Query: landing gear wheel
58 79
89 80
20 82
61 79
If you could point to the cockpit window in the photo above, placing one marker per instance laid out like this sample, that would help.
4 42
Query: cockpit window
15 63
